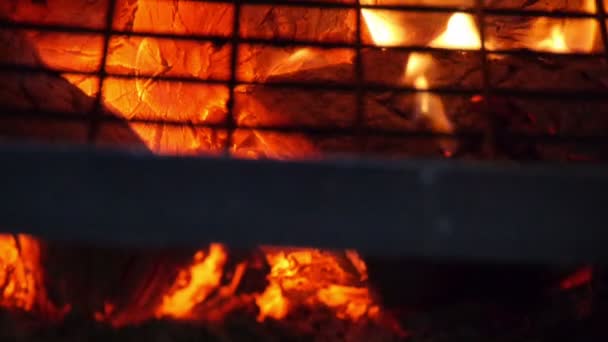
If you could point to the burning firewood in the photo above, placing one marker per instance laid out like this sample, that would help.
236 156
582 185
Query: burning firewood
24 94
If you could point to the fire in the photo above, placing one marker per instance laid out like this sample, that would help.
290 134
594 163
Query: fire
461 33
427 105
555 43
206 290
17 276
195 284
310 277
21 276
383 27
350 302
272 303
566 35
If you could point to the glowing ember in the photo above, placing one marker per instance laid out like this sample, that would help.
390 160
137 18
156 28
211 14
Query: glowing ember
21 276
298 278
579 278
358 263
349 302
461 33
17 275
195 284
272 303
310 277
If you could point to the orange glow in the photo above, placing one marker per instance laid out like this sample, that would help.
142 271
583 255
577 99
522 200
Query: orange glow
358 263
195 284
309 277
349 302
21 276
272 303
427 105
18 272
383 27
566 35
555 43
461 33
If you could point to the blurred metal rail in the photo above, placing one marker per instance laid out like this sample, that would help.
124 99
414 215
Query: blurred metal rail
427 209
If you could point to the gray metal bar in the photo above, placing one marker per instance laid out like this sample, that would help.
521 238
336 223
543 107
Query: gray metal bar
421 209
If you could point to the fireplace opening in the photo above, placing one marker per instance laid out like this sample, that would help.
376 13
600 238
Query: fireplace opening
492 80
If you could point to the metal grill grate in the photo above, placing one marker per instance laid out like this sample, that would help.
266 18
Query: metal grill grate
491 139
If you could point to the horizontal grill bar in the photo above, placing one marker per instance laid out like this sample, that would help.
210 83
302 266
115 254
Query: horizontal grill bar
568 95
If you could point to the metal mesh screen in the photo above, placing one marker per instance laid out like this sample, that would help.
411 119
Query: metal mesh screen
505 101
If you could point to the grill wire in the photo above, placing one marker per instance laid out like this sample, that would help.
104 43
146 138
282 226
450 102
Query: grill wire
360 87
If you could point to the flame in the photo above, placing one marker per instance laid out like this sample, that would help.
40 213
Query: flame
566 35
309 277
195 284
427 105
21 276
358 263
298 278
555 43
461 33
383 28
272 303
17 275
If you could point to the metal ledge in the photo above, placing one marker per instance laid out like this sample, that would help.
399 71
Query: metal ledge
414 209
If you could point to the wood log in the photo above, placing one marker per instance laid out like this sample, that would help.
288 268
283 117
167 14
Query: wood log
88 14
549 73
543 34
36 93
541 5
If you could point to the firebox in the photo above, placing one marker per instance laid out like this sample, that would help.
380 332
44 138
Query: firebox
358 170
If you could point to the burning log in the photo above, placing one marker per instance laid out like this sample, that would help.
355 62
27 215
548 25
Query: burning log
27 93
549 73
554 5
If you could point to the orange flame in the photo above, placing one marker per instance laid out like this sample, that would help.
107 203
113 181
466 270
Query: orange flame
272 303
555 43
383 28
194 285
461 33
566 35
18 272
428 105
305 277
21 276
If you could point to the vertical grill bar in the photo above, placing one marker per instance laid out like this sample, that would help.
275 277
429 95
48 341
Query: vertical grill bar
600 12
359 78
490 134
234 55
97 107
